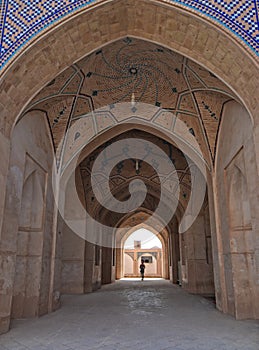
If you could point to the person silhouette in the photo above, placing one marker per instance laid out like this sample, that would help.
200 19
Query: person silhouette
142 269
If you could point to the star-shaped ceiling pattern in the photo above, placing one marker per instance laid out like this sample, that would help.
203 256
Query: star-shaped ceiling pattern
146 71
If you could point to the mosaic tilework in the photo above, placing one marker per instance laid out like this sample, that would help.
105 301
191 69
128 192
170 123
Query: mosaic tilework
21 20
240 16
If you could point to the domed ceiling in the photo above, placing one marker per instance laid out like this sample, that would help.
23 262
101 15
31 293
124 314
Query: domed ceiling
146 72
22 21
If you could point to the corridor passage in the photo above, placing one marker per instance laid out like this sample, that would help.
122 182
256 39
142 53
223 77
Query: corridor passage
131 314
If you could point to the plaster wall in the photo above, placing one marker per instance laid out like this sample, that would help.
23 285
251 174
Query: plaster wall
196 256
73 246
26 240
106 265
128 265
151 269
236 182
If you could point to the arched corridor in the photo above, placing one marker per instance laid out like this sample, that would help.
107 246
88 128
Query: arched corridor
130 314
128 115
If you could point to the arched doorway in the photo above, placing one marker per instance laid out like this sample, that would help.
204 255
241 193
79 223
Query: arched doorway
137 221
144 245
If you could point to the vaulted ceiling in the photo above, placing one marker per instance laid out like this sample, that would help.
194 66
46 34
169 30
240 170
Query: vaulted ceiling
146 72
125 172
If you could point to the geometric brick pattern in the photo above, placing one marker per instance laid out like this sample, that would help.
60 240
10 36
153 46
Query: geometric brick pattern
156 75
22 20
125 172
240 16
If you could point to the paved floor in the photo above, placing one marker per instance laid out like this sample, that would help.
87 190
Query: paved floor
137 315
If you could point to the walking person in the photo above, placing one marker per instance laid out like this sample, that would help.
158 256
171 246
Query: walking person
142 269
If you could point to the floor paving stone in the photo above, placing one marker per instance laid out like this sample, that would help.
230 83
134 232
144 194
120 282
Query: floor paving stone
131 314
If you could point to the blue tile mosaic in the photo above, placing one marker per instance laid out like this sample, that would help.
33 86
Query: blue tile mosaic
21 20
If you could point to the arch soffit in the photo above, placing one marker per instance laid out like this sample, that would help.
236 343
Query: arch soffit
178 213
116 130
249 126
159 235
31 115
214 50
121 240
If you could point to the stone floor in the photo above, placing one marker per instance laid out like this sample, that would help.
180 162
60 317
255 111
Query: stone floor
152 314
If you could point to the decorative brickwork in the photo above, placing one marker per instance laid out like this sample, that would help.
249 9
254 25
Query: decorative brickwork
155 75
21 20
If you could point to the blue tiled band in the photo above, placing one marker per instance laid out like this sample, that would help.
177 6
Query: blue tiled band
22 20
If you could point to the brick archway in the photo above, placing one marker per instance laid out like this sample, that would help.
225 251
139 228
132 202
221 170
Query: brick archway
166 25
121 237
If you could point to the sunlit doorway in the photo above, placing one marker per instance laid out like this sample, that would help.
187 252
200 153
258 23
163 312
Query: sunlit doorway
144 245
